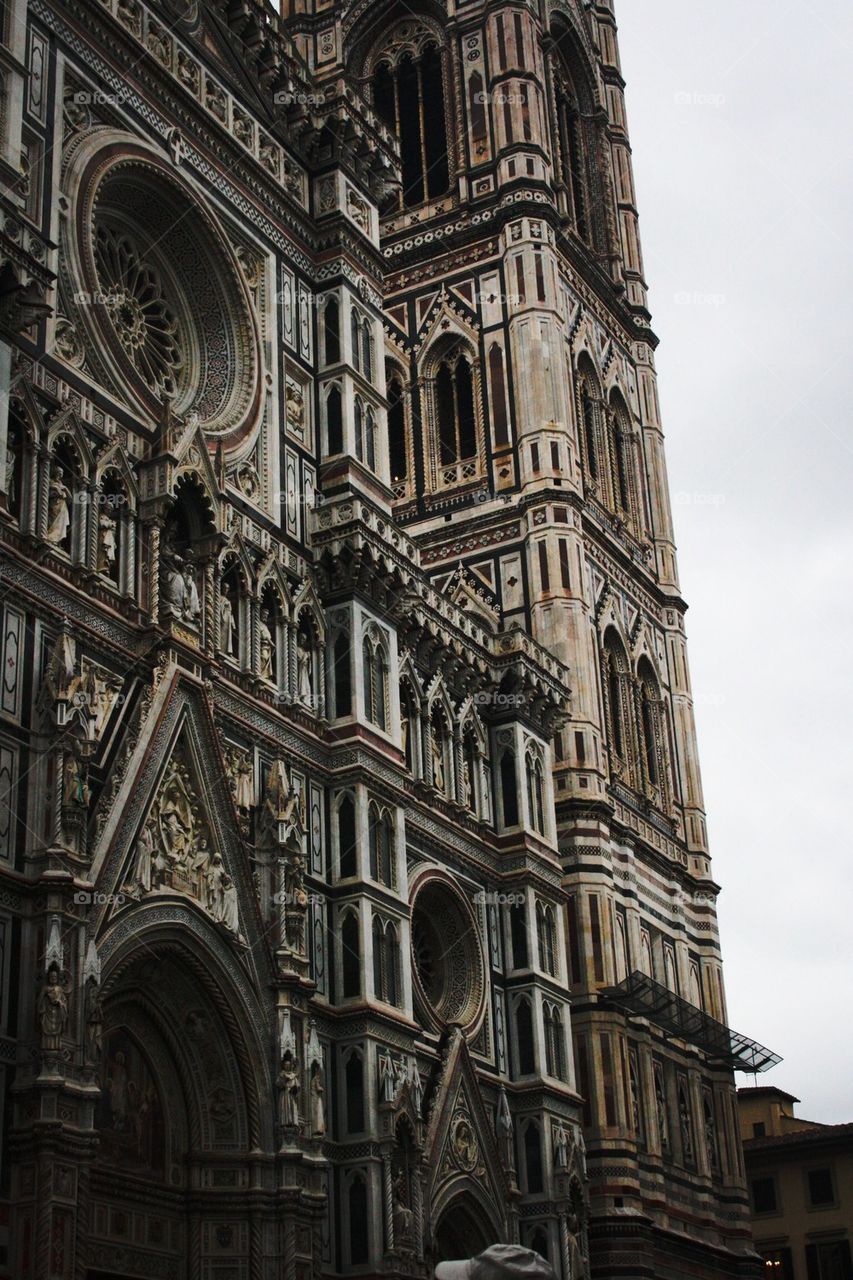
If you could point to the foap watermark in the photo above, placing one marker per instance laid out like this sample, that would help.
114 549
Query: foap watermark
699 98
488 698
94 898
98 499
285 899
298 98
97 98
501 98
492 898
694 298
96 299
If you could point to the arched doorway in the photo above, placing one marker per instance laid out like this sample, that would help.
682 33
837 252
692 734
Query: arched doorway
462 1231
181 1078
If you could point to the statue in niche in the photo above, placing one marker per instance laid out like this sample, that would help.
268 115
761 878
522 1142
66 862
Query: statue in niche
304 663
75 788
467 787
58 507
174 589
437 741
561 1146
416 1087
143 868
404 1218
192 604
316 1100
288 1092
227 623
387 1079
53 1007
267 646
242 778
295 407
107 542
221 894
283 806
94 1025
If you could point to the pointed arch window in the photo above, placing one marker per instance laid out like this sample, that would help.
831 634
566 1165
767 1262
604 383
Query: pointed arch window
354 1092
408 94
509 789
618 702
398 453
341 674
386 961
350 956
332 331
375 676
555 1045
524 1038
535 793
334 421
457 424
518 935
533 1158
347 861
358 1222
547 937
381 846
498 388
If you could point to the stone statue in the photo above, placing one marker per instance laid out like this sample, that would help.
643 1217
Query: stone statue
304 690
399 1077
243 780
192 604
282 805
53 1007
267 646
316 1101
94 1025
416 1087
107 543
144 858
404 1218
174 587
58 507
288 1092
229 911
581 1149
227 625
75 788
387 1079
467 788
437 759
561 1146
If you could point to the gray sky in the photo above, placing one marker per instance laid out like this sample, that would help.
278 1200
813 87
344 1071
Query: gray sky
740 125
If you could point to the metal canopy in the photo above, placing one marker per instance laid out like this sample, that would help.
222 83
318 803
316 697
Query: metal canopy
644 998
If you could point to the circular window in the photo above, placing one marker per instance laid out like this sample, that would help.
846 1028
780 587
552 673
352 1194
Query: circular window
447 958
159 291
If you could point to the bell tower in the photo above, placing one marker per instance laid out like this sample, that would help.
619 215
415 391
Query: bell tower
526 454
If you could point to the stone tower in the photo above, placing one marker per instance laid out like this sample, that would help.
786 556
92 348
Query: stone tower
355 907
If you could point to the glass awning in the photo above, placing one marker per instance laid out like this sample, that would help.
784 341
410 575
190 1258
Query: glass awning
642 997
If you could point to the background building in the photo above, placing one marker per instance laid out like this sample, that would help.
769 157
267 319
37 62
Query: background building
347 740
800 1177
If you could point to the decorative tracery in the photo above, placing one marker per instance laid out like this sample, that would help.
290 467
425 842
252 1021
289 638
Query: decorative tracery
408 86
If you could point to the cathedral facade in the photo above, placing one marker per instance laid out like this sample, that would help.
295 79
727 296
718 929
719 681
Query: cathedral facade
355 901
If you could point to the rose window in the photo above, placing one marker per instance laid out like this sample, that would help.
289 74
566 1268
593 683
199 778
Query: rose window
159 292
446 954
146 326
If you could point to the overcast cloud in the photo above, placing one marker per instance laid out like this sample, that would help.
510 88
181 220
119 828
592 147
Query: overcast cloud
740 125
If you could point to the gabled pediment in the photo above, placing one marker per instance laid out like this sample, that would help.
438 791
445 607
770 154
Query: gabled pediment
171 833
460 1145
